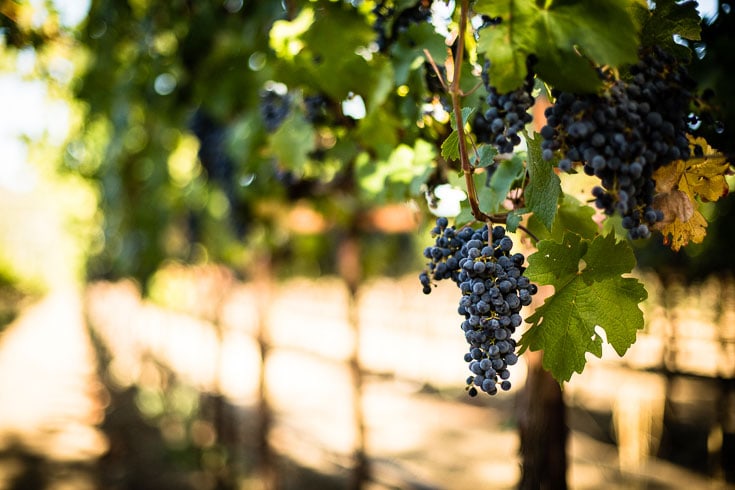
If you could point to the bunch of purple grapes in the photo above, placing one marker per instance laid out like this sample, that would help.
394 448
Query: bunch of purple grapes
637 125
493 291
507 113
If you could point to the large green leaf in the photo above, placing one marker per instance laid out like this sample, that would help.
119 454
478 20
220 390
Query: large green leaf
565 35
321 47
576 217
589 293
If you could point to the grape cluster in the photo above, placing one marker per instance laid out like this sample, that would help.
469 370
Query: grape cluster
274 108
623 135
493 289
506 116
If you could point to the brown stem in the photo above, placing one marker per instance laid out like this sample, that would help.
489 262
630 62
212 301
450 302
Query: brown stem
456 92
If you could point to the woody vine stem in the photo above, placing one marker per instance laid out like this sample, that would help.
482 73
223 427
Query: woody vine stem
456 94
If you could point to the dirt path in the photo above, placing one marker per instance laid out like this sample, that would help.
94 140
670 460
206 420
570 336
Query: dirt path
52 403
50 399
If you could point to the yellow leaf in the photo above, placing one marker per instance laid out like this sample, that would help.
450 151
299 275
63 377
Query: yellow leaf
705 176
693 230
668 176
678 186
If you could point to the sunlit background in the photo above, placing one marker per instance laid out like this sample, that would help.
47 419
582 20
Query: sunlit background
205 377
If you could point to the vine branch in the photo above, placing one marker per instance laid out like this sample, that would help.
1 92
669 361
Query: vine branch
455 93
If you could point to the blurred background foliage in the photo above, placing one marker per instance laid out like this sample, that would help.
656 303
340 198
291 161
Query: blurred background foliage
167 149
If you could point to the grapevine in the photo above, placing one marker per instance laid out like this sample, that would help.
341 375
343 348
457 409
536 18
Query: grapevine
621 123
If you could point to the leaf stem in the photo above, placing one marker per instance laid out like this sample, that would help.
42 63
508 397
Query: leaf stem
529 233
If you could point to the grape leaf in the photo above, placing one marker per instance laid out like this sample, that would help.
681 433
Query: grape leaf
678 186
668 19
678 233
556 32
450 146
574 216
570 216
589 292
485 156
466 113
513 220
705 176
464 217
544 186
309 39
508 44
501 182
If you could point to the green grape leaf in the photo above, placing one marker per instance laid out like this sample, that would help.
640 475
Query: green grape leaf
589 292
485 156
450 146
308 41
668 19
507 45
544 187
556 263
466 113
576 217
571 216
514 219
292 142
486 198
501 182
564 35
